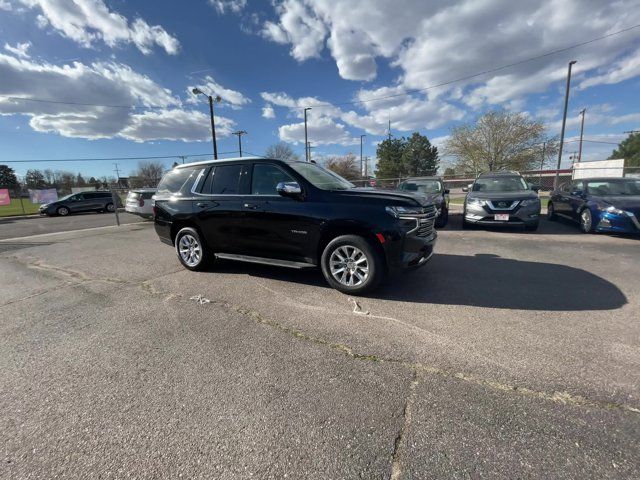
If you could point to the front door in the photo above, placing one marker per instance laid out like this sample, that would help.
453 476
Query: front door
275 226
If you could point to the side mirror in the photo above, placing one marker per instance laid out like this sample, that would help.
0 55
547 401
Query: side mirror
577 193
465 189
289 189
447 191
535 188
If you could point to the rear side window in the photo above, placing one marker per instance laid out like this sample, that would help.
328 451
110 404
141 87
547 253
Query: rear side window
225 180
265 178
173 181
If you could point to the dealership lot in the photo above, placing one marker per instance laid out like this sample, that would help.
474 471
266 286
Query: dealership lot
510 355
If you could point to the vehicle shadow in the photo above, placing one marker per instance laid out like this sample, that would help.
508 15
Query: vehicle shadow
546 227
490 281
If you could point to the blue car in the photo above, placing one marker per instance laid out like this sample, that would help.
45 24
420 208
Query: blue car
599 204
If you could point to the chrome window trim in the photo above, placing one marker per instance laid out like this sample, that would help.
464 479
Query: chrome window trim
197 182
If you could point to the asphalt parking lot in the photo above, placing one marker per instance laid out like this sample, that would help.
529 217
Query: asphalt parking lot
511 355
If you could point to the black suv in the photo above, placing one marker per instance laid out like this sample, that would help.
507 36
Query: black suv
432 187
292 214
502 198
90 201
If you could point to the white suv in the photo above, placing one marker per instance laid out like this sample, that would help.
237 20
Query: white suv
139 202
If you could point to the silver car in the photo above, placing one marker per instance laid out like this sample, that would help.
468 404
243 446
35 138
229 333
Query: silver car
502 198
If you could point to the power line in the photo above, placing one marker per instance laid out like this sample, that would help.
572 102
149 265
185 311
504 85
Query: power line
593 141
111 159
484 72
321 105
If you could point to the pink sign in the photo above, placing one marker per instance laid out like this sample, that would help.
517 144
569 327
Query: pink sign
4 197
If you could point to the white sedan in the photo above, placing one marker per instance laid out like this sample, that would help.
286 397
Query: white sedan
139 202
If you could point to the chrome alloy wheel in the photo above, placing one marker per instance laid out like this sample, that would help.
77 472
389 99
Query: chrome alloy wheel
189 250
349 265
585 220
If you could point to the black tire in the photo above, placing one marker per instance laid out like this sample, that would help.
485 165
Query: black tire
109 208
551 212
352 249
586 221
443 219
189 243
63 211
465 225
532 228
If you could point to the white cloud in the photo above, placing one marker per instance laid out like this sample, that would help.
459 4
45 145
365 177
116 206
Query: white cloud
321 131
211 87
268 111
109 84
441 40
222 6
5 5
21 49
89 21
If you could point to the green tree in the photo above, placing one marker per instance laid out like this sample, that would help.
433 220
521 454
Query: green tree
80 181
389 153
629 149
419 157
35 179
8 176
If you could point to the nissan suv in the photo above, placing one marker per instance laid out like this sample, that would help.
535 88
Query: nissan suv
292 214
502 198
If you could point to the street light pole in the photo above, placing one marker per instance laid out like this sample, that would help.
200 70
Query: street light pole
361 137
544 151
564 122
306 139
197 91
582 112
239 133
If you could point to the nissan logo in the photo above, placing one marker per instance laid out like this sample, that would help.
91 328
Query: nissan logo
502 204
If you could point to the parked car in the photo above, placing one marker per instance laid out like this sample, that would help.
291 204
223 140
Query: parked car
139 202
96 201
599 204
292 214
501 198
432 187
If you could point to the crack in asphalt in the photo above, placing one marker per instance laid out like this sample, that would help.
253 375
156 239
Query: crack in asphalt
399 444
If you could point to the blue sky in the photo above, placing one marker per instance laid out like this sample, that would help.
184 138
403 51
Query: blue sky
269 60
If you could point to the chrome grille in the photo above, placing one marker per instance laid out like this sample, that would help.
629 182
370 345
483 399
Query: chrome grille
425 221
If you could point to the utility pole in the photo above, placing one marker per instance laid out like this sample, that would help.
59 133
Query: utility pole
239 133
582 112
389 126
117 173
114 195
307 153
217 99
361 137
309 147
183 157
564 122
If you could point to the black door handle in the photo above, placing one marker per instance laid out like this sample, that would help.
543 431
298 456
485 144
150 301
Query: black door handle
201 204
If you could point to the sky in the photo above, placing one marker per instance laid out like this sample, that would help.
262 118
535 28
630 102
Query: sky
113 78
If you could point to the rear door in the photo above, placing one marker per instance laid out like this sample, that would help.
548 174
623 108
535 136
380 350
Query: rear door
218 207
560 199
274 226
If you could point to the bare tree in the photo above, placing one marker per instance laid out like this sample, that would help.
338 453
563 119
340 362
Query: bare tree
346 166
281 151
149 173
499 140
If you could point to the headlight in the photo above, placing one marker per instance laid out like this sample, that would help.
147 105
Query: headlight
400 211
476 201
615 211
530 201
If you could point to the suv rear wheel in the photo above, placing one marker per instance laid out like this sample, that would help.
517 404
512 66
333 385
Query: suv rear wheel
191 251
351 265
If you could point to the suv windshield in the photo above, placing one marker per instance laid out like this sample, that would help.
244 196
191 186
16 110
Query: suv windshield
614 187
321 178
500 184
422 186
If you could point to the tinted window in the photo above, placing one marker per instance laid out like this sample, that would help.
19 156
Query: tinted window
576 185
614 187
265 178
422 186
225 179
206 185
147 195
320 177
500 184
173 181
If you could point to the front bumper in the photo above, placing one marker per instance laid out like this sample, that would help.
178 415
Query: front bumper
408 252
615 223
521 215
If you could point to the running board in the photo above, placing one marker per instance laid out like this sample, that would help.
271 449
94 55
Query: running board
265 261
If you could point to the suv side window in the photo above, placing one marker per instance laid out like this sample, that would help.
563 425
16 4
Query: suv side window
173 181
265 179
225 180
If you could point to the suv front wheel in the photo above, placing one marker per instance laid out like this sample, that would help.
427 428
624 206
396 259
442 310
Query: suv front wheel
351 265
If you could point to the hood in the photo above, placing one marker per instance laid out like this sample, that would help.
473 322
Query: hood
388 195
521 195
623 202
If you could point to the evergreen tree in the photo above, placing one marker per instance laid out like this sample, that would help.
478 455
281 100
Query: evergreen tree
419 157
